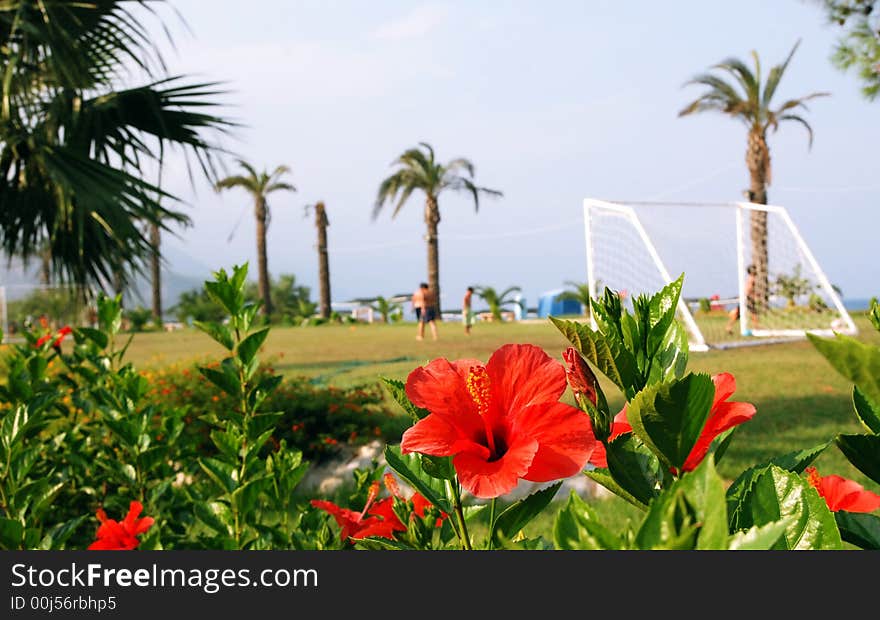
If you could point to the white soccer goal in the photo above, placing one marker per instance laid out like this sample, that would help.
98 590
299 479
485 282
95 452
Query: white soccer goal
638 247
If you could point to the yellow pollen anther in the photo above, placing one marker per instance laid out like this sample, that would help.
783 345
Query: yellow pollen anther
478 388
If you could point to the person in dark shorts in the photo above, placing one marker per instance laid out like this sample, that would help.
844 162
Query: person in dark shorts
428 313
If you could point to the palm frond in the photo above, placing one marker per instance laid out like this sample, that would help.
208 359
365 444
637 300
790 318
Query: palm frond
801 121
775 75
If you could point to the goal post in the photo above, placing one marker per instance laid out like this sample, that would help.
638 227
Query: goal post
639 247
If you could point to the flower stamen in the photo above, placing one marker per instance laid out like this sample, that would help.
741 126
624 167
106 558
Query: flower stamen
478 386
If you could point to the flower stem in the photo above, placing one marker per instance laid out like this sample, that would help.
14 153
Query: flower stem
492 521
463 535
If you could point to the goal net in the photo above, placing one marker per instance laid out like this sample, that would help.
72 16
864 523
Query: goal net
749 276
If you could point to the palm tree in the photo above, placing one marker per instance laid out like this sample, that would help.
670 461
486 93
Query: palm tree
259 185
417 170
749 101
156 273
321 223
386 308
73 144
496 300
580 292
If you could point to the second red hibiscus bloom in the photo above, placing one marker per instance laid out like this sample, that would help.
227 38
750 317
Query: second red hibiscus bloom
501 422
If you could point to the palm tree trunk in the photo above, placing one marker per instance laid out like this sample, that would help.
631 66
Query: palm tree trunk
323 260
262 259
432 219
758 161
46 265
156 272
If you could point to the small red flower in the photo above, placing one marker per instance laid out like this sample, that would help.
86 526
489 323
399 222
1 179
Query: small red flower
356 524
843 494
501 422
59 337
115 536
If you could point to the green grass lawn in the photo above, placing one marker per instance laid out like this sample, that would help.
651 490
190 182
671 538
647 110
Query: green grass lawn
801 401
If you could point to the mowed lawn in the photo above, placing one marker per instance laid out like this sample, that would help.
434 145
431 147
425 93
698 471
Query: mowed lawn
801 401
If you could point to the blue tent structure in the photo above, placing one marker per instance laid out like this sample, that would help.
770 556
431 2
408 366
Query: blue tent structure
549 303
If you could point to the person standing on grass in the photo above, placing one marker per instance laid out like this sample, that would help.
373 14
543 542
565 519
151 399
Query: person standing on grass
467 315
428 312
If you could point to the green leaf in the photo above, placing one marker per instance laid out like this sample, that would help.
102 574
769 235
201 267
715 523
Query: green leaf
759 538
11 534
95 335
249 347
577 527
859 529
224 474
438 467
867 410
855 360
795 462
516 516
669 417
409 468
60 532
778 494
603 476
219 332
609 356
863 451
381 544
227 382
691 511
670 360
662 307
227 442
397 389
633 467
215 515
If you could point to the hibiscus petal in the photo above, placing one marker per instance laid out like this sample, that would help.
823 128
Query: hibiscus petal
523 375
487 479
724 416
725 386
843 494
599 457
565 440
438 436
441 386
863 501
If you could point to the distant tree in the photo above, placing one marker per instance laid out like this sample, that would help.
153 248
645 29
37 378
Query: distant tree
748 100
197 305
321 223
579 292
858 48
417 170
259 185
386 308
495 300
793 285
288 297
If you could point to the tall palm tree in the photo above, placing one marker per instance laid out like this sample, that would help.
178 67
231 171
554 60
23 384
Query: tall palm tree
73 143
747 99
496 300
418 170
579 292
156 272
321 223
259 185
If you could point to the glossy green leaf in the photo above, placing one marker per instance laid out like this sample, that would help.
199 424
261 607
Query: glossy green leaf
669 417
218 332
611 357
516 516
224 474
672 523
59 533
227 382
857 361
662 307
633 467
867 410
863 451
95 335
778 494
859 529
759 538
577 527
438 467
11 534
397 389
409 467
603 477
215 515
249 347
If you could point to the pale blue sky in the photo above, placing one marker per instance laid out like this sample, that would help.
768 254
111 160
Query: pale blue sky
553 101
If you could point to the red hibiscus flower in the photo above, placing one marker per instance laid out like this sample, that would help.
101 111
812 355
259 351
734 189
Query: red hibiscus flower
382 521
618 427
723 416
115 536
59 337
500 422
843 494
419 502
580 376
